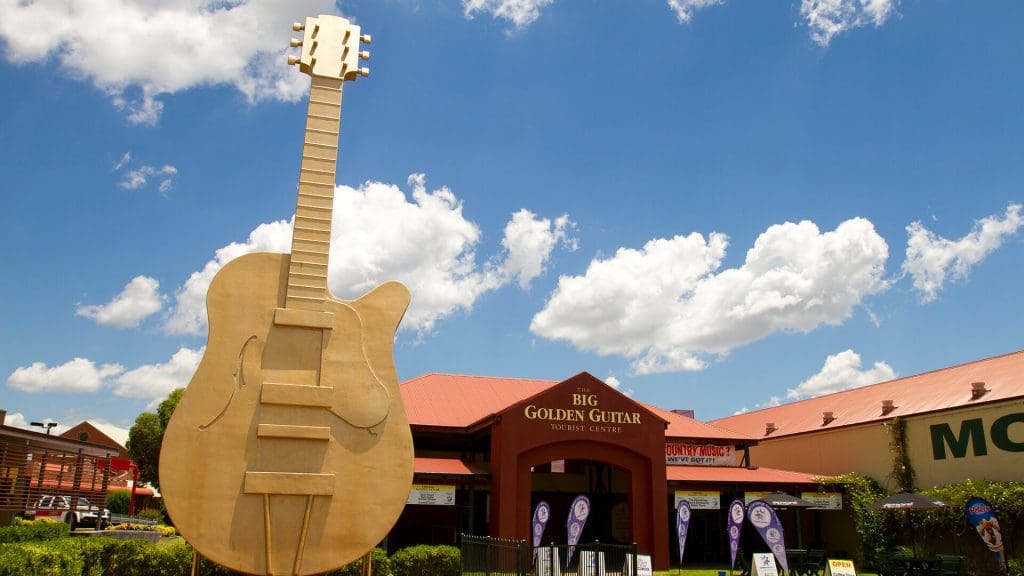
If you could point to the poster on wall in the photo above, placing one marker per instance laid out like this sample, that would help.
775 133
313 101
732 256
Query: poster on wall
432 495
824 500
700 499
700 455
764 519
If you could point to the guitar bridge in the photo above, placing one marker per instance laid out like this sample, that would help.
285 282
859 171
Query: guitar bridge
303 318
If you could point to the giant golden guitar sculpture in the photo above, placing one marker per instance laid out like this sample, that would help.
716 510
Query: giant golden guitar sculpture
290 451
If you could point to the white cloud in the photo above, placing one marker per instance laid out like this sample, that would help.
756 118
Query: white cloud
123 161
529 241
684 9
379 235
841 371
931 258
138 178
521 13
188 316
667 307
829 18
156 381
140 298
137 50
77 375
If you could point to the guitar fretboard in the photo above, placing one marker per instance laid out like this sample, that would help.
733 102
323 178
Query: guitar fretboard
311 237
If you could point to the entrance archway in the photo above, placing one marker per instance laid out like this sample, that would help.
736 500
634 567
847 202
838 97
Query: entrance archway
606 485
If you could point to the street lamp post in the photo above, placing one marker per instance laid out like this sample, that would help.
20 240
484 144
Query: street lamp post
48 425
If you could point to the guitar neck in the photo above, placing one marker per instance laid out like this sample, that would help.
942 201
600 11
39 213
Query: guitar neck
311 236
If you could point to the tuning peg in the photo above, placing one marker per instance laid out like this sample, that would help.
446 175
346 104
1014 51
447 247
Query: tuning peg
298 26
365 38
292 60
364 55
295 42
364 72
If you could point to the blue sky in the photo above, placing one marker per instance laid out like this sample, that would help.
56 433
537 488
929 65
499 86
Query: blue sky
712 205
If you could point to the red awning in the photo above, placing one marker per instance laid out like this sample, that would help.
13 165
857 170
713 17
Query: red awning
139 491
737 474
450 466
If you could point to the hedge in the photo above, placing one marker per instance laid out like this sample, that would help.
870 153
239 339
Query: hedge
100 556
33 530
426 560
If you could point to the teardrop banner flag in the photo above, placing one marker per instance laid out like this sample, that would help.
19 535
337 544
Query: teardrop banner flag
764 519
682 525
541 514
577 518
983 518
737 514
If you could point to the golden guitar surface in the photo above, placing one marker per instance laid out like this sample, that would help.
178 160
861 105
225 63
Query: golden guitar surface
290 451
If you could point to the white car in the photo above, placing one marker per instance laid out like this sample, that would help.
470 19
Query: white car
59 508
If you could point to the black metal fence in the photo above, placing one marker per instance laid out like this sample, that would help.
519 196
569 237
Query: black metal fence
486 556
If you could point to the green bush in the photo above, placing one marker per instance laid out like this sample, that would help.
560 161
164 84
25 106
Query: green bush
425 560
94 557
33 530
99 556
381 566
118 501
151 514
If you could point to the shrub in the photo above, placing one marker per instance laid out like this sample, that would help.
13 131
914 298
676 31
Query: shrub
118 501
381 566
151 514
425 560
33 530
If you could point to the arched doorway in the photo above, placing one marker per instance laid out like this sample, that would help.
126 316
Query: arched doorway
606 485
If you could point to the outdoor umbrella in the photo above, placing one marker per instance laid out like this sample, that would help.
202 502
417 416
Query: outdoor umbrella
909 501
783 500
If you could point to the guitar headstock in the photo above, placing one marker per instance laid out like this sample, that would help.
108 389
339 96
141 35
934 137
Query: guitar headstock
330 48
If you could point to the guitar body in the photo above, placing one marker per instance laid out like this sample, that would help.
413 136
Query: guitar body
290 451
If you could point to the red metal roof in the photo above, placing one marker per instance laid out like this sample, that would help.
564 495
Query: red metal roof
739 475
928 392
452 401
448 400
680 426
452 466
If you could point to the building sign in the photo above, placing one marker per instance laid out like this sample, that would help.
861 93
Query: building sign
824 500
700 454
432 494
582 413
700 499
971 435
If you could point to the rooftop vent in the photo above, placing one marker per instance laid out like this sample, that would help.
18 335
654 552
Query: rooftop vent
769 428
887 406
681 412
978 390
827 418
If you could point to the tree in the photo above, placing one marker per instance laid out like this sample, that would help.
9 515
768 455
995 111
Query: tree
146 436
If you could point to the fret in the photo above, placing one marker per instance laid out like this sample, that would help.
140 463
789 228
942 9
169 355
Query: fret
311 232
318 236
307 257
318 200
310 209
321 178
320 152
315 131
